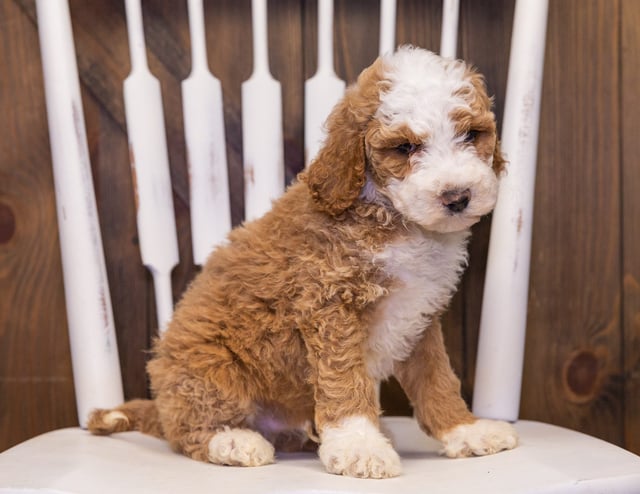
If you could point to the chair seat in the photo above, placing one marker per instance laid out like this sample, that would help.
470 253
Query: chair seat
549 459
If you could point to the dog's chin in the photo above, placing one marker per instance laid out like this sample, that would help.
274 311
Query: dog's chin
450 223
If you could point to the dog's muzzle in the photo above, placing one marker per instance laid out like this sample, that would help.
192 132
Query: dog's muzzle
456 201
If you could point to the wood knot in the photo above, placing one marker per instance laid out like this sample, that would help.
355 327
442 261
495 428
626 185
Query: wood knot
582 376
7 223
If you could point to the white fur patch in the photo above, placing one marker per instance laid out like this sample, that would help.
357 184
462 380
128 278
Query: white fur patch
241 447
358 449
425 91
483 437
426 268
110 419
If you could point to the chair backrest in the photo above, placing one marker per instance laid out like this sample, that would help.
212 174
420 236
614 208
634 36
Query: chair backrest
91 327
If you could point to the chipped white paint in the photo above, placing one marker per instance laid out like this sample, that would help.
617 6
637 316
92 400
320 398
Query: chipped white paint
94 352
387 27
206 145
324 89
504 308
262 137
150 167
449 35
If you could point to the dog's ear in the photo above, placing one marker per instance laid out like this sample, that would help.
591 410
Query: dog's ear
337 174
499 161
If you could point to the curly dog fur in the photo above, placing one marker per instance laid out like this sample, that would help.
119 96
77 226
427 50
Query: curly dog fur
292 323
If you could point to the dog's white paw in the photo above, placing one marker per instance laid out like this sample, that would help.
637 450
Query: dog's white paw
240 447
482 437
358 449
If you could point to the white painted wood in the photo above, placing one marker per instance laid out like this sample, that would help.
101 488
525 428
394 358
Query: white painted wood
324 89
387 43
150 167
206 145
449 35
94 352
504 306
262 137
548 460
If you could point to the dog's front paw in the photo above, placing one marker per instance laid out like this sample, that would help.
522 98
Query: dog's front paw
358 449
482 437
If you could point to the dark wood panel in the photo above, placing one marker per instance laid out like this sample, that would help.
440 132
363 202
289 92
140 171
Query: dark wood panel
573 373
36 389
630 54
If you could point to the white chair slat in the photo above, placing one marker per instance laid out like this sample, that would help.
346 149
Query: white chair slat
325 88
262 137
500 359
206 150
94 351
387 43
449 35
150 167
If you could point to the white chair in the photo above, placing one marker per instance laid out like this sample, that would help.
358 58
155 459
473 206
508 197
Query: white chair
549 459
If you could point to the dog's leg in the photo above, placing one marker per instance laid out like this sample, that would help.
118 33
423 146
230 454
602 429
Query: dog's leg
204 409
347 409
213 430
434 391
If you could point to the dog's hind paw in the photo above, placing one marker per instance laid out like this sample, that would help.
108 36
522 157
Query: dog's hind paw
358 449
482 437
240 447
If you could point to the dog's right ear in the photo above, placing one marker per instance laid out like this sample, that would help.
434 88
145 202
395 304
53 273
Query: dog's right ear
337 174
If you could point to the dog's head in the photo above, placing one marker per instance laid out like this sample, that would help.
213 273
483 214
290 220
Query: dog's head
416 132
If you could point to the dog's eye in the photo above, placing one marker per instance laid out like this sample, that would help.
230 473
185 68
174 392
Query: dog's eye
406 147
471 136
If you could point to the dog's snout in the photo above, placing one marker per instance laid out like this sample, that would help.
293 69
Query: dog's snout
456 201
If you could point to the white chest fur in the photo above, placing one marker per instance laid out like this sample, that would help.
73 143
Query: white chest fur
425 269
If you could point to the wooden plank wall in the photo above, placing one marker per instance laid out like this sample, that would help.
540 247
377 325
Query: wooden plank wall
582 365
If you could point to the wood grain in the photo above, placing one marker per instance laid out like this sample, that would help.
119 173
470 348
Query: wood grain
573 373
630 102
36 387
583 346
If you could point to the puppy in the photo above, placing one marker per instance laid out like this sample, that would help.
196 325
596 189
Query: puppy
292 323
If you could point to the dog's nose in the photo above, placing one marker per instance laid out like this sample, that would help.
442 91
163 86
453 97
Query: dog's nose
456 201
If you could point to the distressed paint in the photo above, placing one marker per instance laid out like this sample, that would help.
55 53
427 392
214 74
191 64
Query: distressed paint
206 145
324 89
150 168
262 136
504 309
94 351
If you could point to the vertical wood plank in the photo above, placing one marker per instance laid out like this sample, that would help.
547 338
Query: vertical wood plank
630 103
356 36
36 386
573 374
